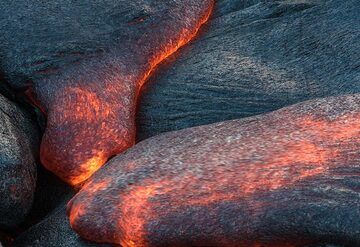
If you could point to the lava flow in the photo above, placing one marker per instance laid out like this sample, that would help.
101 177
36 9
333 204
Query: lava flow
274 180
90 107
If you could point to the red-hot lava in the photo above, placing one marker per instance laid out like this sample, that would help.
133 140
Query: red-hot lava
263 181
91 106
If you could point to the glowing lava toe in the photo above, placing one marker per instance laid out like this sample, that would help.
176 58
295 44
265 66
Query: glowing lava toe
287 178
91 104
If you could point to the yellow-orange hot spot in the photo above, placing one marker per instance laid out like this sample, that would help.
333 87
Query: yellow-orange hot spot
88 168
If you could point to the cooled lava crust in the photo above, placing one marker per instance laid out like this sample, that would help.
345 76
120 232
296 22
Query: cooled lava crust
287 178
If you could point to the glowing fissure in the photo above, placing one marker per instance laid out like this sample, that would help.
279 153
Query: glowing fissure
185 37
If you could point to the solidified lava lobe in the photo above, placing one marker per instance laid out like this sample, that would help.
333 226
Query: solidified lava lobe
271 180
90 107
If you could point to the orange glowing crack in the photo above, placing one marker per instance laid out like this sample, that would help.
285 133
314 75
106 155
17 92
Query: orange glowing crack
185 37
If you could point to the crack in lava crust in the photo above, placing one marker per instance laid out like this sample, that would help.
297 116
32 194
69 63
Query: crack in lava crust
91 107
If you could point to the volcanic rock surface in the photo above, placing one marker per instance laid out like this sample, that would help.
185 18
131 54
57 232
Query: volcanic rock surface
19 140
253 57
286 178
54 231
85 63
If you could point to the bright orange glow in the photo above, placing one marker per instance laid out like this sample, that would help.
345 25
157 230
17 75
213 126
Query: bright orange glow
88 168
88 122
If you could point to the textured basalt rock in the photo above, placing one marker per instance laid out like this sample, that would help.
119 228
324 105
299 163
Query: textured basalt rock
86 63
50 192
19 142
254 57
286 178
54 231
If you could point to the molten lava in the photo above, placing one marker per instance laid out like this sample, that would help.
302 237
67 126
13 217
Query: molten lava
225 184
91 106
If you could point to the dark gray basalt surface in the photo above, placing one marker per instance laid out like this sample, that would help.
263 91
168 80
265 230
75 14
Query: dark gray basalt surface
39 39
254 57
19 141
54 231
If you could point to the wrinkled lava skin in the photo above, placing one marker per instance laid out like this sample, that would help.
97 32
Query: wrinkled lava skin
255 57
89 93
286 178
